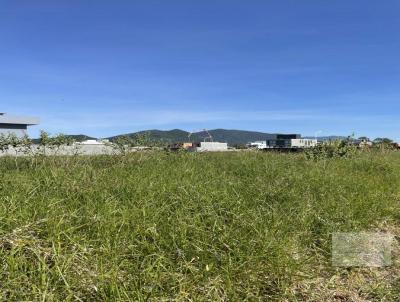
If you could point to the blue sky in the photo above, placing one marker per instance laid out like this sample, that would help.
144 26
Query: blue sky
111 67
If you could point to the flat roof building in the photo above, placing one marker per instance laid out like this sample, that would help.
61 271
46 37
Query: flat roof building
211 147
17 125
283 141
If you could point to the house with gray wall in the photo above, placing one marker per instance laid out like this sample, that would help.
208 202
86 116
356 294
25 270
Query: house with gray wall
17 125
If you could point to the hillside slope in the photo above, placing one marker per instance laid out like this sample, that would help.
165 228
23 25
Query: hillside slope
220 135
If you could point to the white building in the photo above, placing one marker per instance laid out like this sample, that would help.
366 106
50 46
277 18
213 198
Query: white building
258 145
303 143
16 125
211 147
95 142
284 141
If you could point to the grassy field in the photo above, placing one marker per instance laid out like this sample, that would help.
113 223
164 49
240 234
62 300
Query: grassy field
193 227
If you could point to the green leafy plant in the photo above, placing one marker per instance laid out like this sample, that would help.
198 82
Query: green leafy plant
125 144
332 149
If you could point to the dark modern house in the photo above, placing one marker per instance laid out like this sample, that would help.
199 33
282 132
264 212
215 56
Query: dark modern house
281 140
17 125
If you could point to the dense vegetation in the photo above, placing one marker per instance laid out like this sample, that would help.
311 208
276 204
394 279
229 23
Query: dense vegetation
154 226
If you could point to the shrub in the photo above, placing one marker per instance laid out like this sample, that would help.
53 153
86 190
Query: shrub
332 149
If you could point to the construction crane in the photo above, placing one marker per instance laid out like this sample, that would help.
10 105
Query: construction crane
200 131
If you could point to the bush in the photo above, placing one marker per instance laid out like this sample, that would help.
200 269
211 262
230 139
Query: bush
332 149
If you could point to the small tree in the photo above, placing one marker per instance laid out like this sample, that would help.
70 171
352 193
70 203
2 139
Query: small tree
126 144
383 143
59 141
26 144
54 144
383 140
44 142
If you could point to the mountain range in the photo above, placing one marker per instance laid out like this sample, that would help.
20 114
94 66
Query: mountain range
232 137
219 135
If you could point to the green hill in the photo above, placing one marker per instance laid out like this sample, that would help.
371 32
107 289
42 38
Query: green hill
169 136
221 135
237 136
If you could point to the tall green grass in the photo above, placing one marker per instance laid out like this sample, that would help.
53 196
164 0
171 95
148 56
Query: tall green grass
188 227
